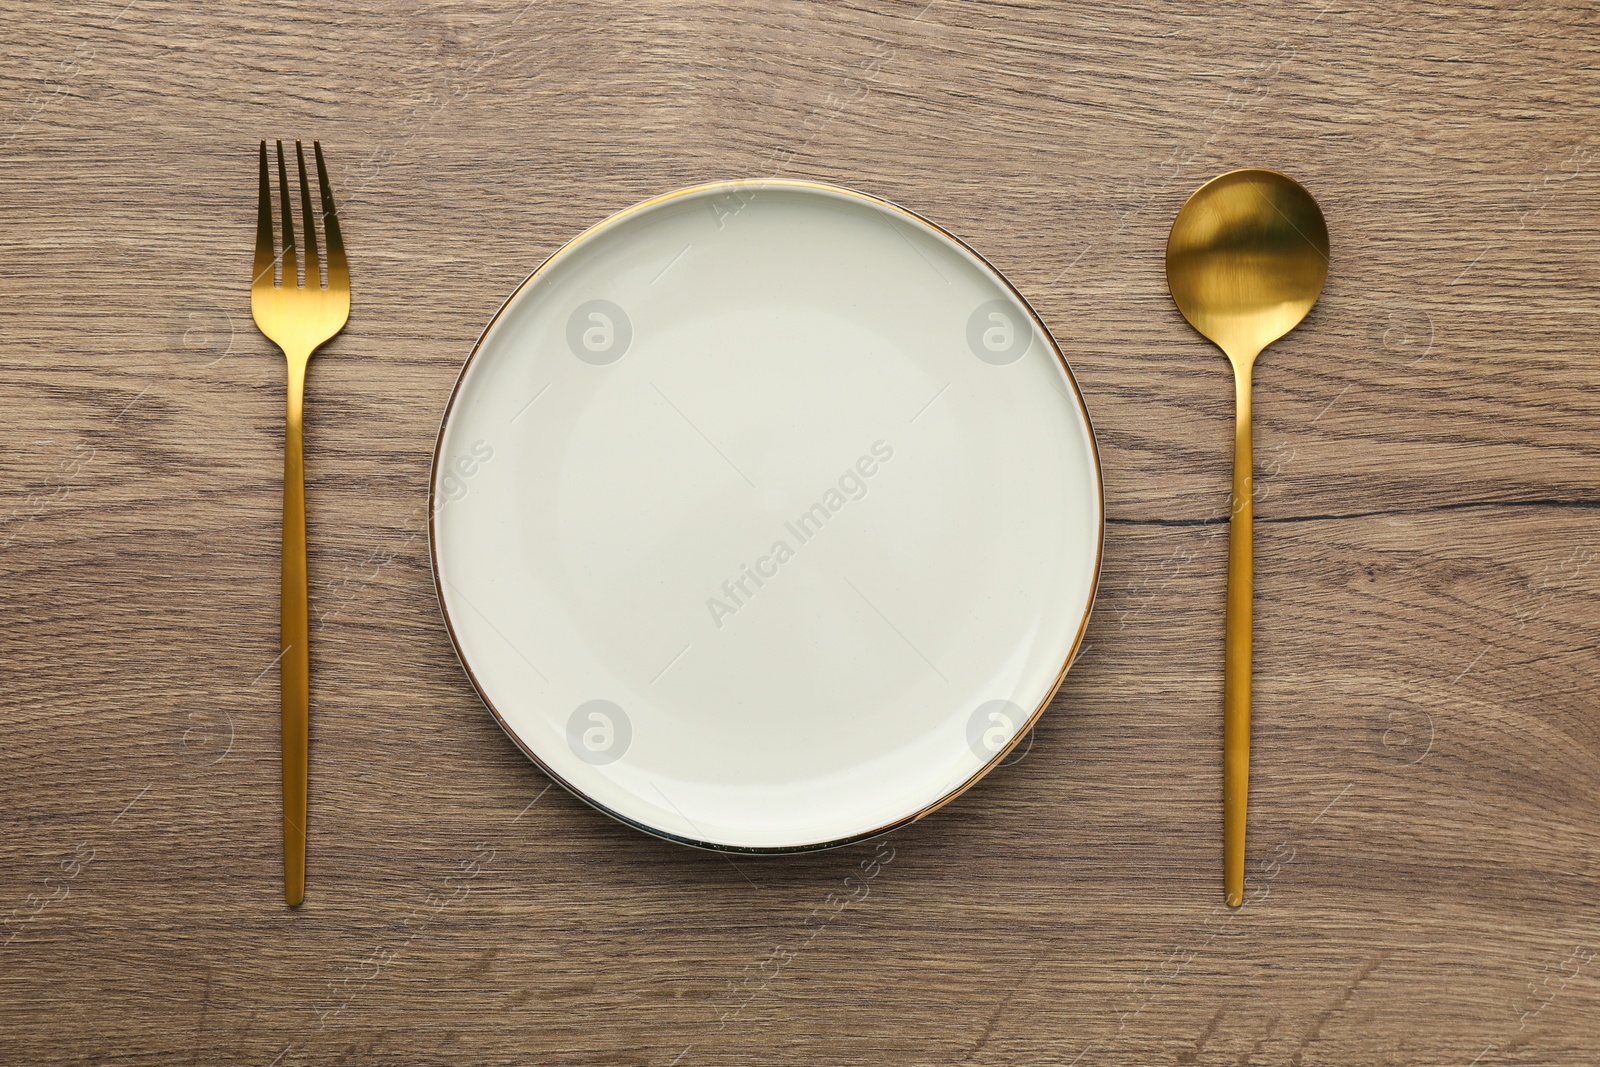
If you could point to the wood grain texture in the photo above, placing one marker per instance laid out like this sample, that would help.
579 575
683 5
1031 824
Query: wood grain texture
1425 823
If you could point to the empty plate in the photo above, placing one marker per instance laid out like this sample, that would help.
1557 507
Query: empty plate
766 516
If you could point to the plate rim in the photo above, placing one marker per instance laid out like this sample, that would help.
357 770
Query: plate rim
755 184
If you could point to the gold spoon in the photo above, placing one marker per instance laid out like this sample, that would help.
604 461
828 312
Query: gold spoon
1246 259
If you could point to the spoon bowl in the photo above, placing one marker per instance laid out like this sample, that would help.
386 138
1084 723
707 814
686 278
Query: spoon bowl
1246 259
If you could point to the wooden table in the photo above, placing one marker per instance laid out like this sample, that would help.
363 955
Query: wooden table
1425 831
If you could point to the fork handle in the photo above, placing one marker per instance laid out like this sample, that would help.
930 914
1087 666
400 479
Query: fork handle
295 664
1236 646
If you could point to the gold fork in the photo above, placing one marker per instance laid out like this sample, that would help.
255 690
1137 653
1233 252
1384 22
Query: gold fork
299 315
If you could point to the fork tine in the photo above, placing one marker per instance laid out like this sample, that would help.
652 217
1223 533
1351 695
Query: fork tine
307 213
264 255
338 266
291 263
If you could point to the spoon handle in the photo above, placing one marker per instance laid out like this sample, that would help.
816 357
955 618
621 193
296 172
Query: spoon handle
1236 648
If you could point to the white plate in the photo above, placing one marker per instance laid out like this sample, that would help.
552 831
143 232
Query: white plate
766 516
